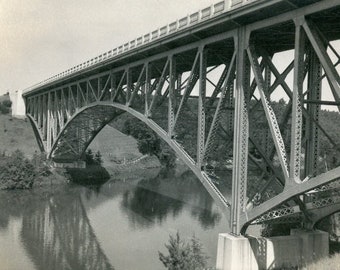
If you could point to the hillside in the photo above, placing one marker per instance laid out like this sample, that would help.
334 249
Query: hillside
18 134
114 145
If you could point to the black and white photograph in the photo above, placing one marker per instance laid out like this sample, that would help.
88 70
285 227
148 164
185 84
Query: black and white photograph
169 135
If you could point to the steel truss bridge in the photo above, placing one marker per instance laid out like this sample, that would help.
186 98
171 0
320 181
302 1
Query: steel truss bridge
206 84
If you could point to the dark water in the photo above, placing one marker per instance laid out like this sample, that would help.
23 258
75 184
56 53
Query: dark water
120 225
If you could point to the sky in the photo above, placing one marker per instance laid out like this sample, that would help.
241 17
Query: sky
40 38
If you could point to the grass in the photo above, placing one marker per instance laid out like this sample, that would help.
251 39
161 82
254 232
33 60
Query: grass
17 134
331 263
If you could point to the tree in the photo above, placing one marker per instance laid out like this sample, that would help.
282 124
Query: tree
167 156
89 158
16 172
184 255
98 158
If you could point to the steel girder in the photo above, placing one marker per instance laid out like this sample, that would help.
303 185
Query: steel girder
177 93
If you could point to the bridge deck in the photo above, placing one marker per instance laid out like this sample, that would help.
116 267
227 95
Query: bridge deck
280 39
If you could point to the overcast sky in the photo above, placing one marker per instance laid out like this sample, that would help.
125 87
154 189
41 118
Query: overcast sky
40 38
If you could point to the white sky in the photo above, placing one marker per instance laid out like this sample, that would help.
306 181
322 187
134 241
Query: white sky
40 38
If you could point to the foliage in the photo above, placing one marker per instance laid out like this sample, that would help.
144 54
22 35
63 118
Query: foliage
92 159
5 106
98 158
17 172
41 164
167 156
89 157
183 255
7 103
149 143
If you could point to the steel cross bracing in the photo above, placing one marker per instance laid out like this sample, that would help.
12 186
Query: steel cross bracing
211 100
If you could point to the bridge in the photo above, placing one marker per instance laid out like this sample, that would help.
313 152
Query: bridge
206 84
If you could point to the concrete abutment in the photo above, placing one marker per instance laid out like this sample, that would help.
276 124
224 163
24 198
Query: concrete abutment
251 253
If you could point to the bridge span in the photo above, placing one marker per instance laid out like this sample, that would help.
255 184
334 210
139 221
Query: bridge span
206 84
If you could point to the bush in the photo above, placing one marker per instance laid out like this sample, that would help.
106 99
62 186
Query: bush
16 172
4 109
7 103
41 164
184 255
167 157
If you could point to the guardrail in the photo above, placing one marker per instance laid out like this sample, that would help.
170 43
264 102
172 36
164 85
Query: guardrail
161 32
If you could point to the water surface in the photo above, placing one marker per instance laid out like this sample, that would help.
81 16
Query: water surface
119 225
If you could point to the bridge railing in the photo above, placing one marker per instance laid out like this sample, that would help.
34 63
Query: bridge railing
173 27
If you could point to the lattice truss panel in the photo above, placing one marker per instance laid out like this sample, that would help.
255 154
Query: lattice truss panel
215 101
58 236
308 82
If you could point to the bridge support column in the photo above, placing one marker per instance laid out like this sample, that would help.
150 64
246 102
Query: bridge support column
235 252
298 249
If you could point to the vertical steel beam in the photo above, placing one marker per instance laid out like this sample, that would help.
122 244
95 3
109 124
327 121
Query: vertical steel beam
49 139
312 130
55 115
172 100
99 86
59 111
128 86
241 131
201 105
44 109
39 111
113 84
147 89
87 93
267 84
296 132
69 101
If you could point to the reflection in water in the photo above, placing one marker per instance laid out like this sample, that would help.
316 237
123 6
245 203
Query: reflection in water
55 225
56 233
149 204
155 199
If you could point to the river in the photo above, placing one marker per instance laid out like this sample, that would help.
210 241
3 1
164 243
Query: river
121 224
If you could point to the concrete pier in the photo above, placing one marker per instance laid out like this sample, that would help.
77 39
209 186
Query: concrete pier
298 249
